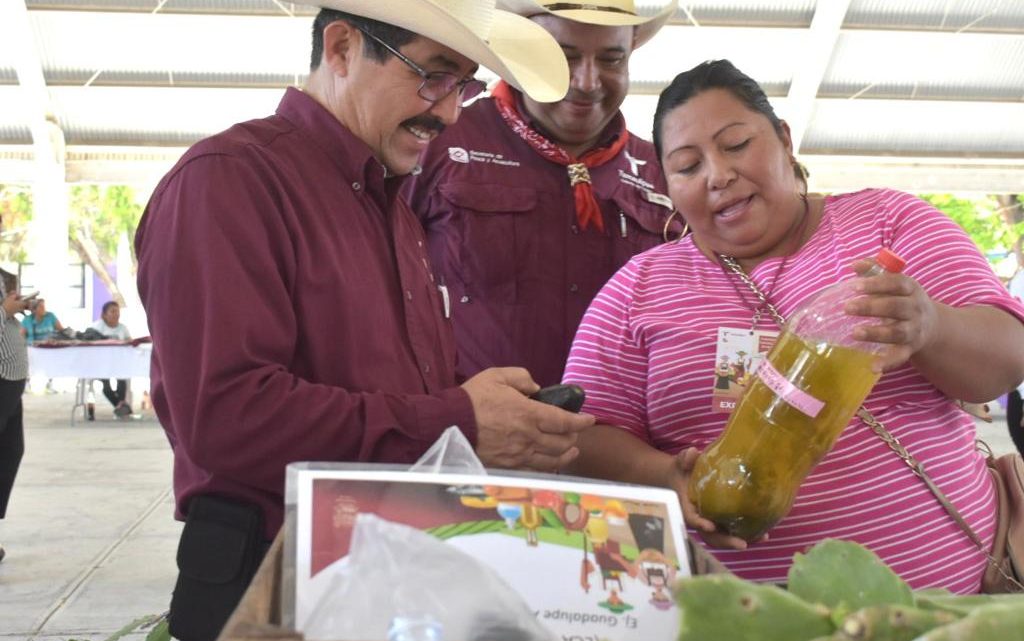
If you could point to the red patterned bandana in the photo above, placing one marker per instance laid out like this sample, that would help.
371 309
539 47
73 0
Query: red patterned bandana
587 209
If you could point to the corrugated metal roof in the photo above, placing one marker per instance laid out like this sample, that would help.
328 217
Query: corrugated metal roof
963 66
943 15
247 7
11 134
907 78
793 13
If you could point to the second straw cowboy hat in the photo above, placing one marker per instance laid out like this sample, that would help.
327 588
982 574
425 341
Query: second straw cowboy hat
518 50
615 13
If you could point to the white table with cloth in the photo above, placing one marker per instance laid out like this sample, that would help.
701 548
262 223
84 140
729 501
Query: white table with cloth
88 361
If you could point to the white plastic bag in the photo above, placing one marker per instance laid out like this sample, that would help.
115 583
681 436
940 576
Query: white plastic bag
450 453
395 571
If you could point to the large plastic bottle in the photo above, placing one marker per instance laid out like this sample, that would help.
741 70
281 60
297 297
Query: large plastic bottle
798 402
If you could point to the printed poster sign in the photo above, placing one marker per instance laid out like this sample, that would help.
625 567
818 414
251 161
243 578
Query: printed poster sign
593 561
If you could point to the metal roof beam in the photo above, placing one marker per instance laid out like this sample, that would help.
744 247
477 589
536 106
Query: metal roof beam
47 137
915 175
821 41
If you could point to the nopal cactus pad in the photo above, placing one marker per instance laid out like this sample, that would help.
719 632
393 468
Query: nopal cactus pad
846 576
725 607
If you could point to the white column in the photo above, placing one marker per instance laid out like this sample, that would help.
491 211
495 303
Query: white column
48 234
133 316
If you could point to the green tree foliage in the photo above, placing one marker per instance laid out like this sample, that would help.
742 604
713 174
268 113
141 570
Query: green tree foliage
98 218
15 214
990 221
103 213
99 215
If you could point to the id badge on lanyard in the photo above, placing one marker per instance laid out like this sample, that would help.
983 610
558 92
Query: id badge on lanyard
738 353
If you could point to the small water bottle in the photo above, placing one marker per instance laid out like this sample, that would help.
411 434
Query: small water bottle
414 628
90 407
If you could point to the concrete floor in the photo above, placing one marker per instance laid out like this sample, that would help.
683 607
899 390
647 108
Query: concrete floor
89 533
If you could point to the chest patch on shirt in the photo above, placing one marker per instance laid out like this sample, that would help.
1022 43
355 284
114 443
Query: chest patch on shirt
468 156
658 199
635 181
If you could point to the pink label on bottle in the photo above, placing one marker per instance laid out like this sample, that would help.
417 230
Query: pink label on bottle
790 393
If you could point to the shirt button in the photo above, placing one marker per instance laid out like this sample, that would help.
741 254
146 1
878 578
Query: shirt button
574 288
356 186
575 229
464 299
408 295
426 368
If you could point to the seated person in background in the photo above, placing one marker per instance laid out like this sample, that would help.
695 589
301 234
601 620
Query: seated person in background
40 324
110 326
645 351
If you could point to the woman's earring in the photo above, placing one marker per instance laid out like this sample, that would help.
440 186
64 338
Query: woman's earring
668 222
801 169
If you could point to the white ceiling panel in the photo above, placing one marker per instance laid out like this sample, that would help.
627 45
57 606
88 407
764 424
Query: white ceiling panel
919 128
160 116
171 43
768 55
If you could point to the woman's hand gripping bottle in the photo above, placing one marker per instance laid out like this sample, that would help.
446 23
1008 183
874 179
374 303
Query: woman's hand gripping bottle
794 408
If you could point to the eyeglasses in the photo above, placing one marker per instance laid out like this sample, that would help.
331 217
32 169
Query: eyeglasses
436 85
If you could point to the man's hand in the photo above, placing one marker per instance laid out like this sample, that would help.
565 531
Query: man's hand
514 432
679 480
14 304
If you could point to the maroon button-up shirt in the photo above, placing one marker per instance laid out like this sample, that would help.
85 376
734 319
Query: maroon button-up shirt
293 313
501 226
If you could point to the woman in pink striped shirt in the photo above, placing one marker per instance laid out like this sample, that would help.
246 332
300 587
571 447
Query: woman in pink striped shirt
649 350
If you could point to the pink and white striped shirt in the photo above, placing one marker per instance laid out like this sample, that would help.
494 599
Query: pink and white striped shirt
645 354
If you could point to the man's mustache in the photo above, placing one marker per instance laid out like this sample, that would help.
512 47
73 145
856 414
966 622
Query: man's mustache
428 123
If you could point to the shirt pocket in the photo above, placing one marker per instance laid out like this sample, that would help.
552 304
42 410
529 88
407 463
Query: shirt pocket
495 222
639 224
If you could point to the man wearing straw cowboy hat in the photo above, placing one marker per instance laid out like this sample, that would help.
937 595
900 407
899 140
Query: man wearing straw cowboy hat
293 312
530 207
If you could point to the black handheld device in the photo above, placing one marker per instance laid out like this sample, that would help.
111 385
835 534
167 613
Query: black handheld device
568 397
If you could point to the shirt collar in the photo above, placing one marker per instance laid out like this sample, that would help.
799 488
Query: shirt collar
611 130
351 155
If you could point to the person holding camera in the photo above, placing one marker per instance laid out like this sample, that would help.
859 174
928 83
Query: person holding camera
13 372
39 324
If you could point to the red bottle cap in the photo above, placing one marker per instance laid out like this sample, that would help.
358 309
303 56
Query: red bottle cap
890 261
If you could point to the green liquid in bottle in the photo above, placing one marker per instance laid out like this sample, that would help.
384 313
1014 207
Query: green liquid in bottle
746 481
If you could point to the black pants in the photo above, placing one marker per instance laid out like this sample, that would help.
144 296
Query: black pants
12 437
1014 411
117 397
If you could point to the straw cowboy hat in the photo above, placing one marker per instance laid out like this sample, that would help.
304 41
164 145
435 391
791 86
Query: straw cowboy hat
615 13
515 48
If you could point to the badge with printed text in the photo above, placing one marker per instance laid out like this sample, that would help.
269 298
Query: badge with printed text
738 354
